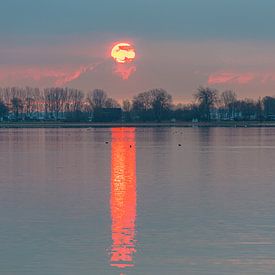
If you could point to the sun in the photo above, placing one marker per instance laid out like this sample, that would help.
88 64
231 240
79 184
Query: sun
123 53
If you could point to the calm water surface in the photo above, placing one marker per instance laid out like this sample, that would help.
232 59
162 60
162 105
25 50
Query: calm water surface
131 201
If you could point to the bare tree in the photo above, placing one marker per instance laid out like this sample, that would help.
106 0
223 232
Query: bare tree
162 102
4 110
97 99
228 98
269 107
111 103
142 102
152 105
247 109
32 102
126 106
55 99
186 112
75 100
207 99
17 107
228 101
74 104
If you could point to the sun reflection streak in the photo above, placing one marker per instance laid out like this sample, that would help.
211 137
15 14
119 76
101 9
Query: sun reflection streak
123 197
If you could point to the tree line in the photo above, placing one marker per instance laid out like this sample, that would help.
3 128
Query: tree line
67 104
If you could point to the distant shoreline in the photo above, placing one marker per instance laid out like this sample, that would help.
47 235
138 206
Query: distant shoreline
54 124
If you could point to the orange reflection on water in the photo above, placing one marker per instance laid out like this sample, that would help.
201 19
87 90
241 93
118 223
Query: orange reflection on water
123 197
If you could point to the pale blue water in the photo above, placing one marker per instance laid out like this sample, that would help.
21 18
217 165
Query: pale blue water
67 201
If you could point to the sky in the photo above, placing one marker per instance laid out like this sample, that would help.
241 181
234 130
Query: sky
180 45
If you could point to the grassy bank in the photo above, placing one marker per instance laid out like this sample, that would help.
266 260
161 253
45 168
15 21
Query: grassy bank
52 124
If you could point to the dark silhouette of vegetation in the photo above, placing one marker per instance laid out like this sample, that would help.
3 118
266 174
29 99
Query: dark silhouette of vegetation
153 105
156 105
17 106
207 99
228 100
127 108
4 110
103 108
269 107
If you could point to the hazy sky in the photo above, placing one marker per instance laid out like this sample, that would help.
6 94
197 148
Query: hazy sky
180 45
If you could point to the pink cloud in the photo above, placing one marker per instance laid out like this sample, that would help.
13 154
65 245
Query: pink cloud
241 78
61 81
245 78
33 73
52 75
228 77
124 71
268 77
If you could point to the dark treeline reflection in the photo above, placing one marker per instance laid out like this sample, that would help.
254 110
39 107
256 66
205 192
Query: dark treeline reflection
67 104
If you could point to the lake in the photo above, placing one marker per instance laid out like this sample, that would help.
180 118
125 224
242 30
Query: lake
133 201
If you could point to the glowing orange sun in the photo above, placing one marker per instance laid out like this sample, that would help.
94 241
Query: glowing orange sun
123 53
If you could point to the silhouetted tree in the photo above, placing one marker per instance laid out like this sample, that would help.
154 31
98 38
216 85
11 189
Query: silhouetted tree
152 105
111 103
4 110
29 106
126 105
247 109
161 103
17 107
186 112
74 105
269 107
55 101
104 108
33 102
142 106
228 100
259 110
206 98
127 108
97 99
